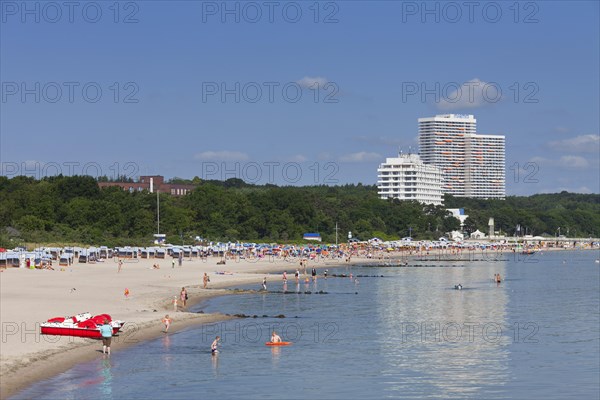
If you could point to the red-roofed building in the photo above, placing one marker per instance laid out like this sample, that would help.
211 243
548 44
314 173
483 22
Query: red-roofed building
152 183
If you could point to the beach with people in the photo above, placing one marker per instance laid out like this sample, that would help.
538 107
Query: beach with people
32 296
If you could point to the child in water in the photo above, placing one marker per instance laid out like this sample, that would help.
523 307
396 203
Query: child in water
167 321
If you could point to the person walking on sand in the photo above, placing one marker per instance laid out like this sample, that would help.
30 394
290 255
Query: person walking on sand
106 331
167 321
173 263
183 296
205 280
120 265
213 347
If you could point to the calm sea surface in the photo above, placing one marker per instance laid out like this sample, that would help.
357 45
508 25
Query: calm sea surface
407 334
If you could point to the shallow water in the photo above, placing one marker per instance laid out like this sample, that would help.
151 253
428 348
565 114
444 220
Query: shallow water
407 334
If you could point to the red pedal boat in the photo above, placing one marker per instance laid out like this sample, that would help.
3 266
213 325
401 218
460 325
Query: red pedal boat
81 325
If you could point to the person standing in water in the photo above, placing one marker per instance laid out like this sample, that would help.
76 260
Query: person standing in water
167 321
214 345
264 283
106 331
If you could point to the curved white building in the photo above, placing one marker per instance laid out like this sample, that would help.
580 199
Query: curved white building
406 177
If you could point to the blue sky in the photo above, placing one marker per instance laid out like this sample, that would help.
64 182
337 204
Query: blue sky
189 89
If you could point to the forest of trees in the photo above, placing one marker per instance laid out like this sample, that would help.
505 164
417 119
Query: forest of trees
74 209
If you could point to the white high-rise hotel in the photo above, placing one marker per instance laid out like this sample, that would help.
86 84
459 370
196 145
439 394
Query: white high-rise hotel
473 165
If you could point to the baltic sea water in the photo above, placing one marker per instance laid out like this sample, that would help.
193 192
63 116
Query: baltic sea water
400 332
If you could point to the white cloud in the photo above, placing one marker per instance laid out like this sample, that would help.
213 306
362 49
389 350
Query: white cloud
584 189
223 155
568 161
362 156
539 160
581 143
312 82
297 158
474 93
324 156
573 162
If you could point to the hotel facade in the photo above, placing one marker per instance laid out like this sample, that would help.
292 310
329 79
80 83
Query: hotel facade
473 165
407 177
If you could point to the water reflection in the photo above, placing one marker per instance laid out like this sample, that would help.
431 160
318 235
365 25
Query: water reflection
275 354
107 378
167 356
214 359
432 332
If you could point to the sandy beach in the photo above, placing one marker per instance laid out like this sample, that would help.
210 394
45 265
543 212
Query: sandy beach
29 297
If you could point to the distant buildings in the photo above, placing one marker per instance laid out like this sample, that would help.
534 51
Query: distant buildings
151 183
406 177
454 159
473 165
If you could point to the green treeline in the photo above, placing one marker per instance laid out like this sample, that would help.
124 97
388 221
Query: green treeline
75 210
577 215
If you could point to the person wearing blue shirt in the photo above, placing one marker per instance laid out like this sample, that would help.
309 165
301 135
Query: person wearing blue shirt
106 331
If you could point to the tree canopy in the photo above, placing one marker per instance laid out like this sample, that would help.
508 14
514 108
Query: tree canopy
63 209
